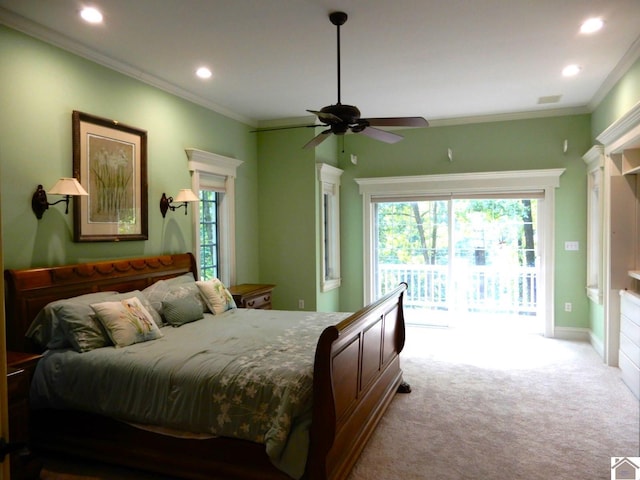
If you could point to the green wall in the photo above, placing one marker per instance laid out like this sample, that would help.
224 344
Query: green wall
41 85
286 217
513 145
277 224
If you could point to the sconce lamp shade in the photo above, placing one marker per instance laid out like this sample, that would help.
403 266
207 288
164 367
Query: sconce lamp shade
185 196
68 186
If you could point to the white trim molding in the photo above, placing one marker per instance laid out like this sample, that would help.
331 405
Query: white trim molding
619 251
199 163
618 132
502 181
517 181
329 215
594 160
45 34
572 333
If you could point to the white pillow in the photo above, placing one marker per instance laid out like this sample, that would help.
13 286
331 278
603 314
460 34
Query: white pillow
216 296
127 321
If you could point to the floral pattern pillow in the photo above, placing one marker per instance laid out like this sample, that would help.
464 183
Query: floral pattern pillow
216 296
127 321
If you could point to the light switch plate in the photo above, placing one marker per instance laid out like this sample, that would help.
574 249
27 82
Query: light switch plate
572 246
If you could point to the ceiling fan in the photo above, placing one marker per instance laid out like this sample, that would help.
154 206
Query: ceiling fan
342 118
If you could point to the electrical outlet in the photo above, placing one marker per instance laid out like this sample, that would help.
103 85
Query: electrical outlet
300 304
568 307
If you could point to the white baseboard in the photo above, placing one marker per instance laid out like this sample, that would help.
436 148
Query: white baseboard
572 333
597 344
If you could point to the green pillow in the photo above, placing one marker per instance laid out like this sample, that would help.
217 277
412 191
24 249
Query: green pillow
182 310
82 330
47 329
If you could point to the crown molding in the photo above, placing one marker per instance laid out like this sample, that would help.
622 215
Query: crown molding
616 74
622 126
47 35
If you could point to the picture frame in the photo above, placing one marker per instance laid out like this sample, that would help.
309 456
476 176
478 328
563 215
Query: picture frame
110 162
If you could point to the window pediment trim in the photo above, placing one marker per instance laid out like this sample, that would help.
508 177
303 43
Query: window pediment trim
212 162
510 180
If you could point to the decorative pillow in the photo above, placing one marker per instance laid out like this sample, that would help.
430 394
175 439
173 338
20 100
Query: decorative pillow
165 290
216 296
147 305
184 278
82 330
154 294
182 310
127 321
47 330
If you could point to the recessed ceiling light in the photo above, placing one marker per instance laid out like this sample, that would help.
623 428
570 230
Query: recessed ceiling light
571 70
91 15
203 72
592 25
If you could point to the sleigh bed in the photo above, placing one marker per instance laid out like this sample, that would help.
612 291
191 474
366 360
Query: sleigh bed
354 372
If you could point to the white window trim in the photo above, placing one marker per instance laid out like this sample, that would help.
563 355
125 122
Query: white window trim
466 183
200 162
594 159
329 178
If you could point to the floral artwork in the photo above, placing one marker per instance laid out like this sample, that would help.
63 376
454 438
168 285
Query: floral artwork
109 160
111 176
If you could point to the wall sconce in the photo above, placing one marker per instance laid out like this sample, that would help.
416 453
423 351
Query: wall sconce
69 187
185 196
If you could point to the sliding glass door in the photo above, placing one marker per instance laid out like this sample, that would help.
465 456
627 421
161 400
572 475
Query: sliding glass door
413 246
467 261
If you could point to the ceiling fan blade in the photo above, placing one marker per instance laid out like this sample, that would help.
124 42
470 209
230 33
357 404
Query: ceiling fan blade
325 116
397 122
318 139
271 129
381 135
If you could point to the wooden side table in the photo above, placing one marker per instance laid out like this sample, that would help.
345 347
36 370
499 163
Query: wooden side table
252 295
20 368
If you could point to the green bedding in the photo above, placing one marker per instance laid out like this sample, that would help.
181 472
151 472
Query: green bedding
245 373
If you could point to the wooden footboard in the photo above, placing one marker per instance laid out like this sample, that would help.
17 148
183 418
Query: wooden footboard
356 374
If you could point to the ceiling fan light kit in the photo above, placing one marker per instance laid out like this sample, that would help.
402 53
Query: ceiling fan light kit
341 119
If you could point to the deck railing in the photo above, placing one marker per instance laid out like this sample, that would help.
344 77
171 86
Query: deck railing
477 288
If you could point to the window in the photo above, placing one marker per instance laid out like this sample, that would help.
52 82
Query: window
329 178
213 176
594 159
209 253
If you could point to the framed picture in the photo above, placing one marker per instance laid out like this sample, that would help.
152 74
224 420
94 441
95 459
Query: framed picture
110 161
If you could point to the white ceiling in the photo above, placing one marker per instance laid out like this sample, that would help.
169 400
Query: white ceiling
273 59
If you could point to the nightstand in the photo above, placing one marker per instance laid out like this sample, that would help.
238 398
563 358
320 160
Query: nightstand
20 368
252 295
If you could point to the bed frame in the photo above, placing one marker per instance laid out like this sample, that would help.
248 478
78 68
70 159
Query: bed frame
356 374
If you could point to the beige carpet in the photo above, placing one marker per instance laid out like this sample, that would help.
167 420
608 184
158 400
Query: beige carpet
486 408
495 407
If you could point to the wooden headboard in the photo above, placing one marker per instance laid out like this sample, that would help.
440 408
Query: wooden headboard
28 291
